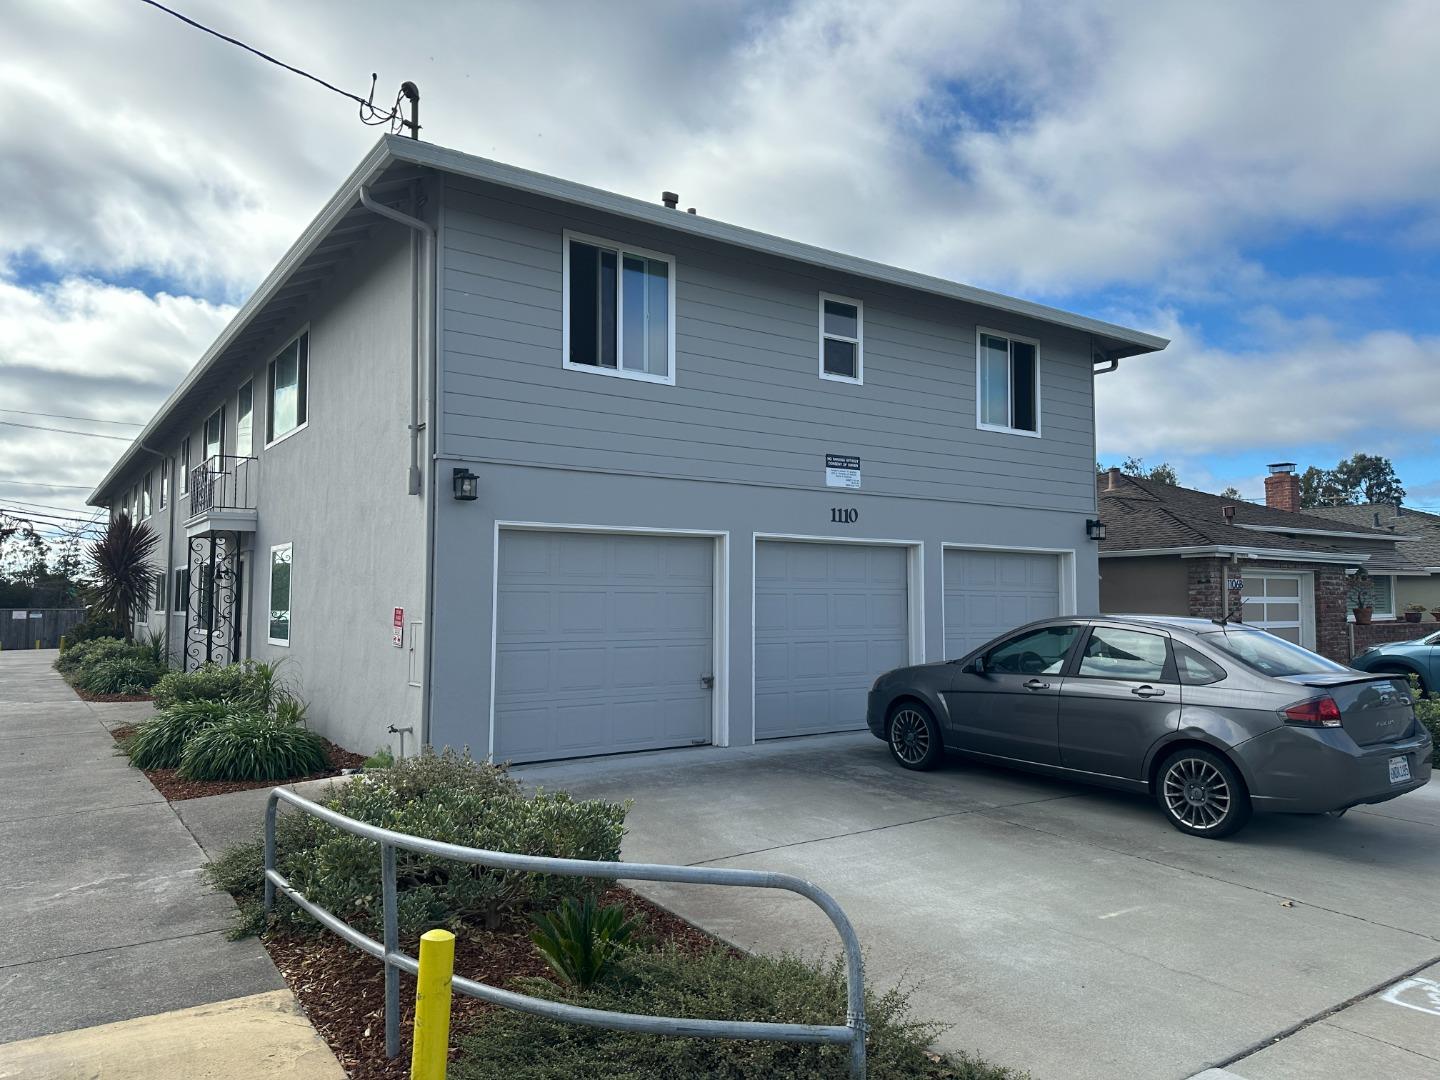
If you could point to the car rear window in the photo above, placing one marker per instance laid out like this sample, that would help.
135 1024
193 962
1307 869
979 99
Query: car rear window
1269 654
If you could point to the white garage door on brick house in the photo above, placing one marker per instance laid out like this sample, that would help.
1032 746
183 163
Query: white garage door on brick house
829 618
602 642
1282 602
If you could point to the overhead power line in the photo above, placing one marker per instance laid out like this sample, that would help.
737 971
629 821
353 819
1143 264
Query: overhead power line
64 416
67 431
368 113
37 483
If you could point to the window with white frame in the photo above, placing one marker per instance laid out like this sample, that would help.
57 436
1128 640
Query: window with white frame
619 316
159 604
287 380
145 486
181 596
165 467
842 324
1381 596
1007 377
279 633
244 420
215 434
185 466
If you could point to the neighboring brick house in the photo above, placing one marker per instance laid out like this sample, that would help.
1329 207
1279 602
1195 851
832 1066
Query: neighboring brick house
1175 551
1420 586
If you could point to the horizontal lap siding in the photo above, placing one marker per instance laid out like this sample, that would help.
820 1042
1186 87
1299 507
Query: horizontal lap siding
748 405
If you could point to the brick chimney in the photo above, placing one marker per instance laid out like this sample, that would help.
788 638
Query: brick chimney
1282 487
1112 479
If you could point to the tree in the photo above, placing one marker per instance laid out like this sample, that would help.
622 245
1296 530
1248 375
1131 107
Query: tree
1164 473
1232 493
1359 478
124 574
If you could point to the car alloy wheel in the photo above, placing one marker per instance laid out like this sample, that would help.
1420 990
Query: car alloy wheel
1202 794
914 739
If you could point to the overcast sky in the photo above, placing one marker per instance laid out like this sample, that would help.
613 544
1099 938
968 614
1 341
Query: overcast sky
1259 182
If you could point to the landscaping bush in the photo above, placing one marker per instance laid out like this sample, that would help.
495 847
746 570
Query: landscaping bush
447 797
119 675
251 745
581 940
1428 711
159 743
253 682
93 650
719 984
92 629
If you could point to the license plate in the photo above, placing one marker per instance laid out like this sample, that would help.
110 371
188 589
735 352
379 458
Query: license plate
1399 770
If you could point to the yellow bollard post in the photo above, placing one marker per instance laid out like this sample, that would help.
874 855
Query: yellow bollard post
432 1006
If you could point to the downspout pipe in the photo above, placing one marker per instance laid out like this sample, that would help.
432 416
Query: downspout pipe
421 340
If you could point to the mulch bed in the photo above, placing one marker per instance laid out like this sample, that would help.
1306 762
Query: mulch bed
176 788
343 991
87 696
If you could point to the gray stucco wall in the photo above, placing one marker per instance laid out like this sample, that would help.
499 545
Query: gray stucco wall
1148 586
336 490
737 446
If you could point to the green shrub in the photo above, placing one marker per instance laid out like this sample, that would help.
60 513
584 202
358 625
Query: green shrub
447 797
252 745
719 984
92 629
381 759
85 653
1428 711
251 682
581 940
120 675
159 743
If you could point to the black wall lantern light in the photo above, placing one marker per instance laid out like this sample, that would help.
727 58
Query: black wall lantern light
1095 529
466 485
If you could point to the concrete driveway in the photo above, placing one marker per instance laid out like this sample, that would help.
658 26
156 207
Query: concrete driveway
1054 927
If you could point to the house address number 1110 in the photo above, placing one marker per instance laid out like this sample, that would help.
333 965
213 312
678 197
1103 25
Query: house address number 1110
844 515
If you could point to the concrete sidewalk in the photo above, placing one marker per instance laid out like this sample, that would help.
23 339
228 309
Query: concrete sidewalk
106 916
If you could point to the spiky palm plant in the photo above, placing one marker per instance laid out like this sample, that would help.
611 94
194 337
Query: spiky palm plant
124 574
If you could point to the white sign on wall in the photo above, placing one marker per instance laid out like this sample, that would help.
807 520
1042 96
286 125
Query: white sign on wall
842 471
17 615
397 629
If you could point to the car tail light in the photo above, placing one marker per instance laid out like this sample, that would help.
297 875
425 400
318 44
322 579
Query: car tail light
1317 712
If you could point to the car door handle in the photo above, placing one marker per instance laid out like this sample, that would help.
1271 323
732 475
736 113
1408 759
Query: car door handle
1147 691
1036 684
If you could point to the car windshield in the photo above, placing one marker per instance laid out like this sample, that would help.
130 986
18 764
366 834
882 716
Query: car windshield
1269 654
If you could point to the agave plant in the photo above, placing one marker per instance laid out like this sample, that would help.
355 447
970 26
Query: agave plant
124 574
581 940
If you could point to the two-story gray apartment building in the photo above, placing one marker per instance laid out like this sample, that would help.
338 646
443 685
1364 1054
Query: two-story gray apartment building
545 471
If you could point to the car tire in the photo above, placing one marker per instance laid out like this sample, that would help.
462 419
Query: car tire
1201 793
913 736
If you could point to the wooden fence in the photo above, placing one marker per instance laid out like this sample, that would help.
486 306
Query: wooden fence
21 628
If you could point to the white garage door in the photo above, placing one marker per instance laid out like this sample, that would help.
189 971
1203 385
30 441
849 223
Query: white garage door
828 619
1282 603
990 592
601 644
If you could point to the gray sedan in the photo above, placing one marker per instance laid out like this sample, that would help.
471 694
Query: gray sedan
1215 721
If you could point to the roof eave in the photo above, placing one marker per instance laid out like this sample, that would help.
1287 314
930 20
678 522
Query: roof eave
1200 551
375 162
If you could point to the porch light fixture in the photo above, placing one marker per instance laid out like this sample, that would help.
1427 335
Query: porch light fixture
1095 529
466 485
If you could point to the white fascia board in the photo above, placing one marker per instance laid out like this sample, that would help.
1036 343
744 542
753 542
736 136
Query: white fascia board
1130 342
1327 532
340 204
1216 550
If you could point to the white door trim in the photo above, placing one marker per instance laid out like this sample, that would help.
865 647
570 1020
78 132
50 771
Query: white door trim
914 590
719 607
1307 598
1069 598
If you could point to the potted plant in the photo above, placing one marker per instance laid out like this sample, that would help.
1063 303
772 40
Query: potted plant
1414 612
1363 589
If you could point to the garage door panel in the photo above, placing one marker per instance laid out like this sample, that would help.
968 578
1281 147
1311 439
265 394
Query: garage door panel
601 642
824 613
989 592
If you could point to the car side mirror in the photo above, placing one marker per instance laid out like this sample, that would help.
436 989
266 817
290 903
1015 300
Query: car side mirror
978 665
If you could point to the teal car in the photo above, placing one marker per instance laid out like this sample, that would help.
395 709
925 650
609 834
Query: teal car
1419 657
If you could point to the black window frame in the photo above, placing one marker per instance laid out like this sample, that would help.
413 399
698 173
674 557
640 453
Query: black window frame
1169 675
1077 628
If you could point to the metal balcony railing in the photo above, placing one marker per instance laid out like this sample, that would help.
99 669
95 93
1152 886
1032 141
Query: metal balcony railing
850 1034
224 482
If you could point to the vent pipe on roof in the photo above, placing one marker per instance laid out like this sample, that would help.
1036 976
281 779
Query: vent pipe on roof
670 199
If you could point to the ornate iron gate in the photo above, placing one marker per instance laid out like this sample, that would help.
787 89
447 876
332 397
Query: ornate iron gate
213 612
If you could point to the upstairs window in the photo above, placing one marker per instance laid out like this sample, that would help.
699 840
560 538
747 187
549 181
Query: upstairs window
145 486
1008 383
244 420
287 379
841 327
165 467
619 314
185 466
215 434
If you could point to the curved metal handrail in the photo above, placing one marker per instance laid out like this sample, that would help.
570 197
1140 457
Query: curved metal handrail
851 1033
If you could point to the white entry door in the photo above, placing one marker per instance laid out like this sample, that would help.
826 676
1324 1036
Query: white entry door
1282 602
